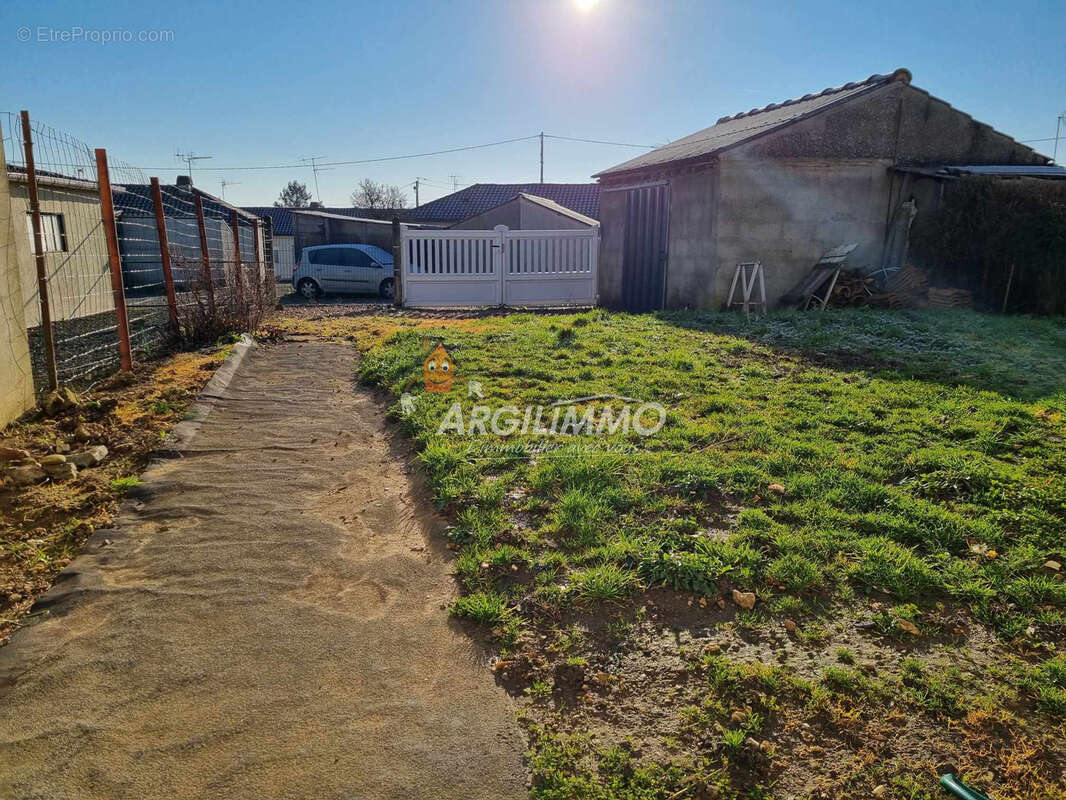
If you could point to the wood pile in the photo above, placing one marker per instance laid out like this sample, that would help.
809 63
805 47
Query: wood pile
852 291
909 281
950 298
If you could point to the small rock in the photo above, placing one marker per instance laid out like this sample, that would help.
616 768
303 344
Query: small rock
59 400
13 454
62 471
26 475
88 458
738 716
790 626
55 458
880 790
869 667
62 447
744 599
82 433
776 488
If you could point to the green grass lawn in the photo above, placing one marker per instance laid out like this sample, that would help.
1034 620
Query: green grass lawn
901 470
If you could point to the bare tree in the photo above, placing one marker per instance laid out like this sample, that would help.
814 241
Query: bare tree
379 199
294 195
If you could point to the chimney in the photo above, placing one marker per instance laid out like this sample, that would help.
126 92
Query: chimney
184 181
315 204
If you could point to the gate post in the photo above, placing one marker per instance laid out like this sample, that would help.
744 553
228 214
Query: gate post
398 266
499 260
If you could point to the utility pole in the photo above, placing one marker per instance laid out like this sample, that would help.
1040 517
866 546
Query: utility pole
542 156
316 169
189 158
417 180
1058 126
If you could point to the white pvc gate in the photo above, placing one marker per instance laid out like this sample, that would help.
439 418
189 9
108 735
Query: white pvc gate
499 267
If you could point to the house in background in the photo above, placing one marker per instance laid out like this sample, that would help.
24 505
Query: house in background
527 212
448 211
70 223
781 184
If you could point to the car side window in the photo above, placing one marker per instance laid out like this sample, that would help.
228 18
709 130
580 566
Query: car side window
356 258
327 255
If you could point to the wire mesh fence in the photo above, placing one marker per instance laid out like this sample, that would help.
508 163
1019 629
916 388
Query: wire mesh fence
119 267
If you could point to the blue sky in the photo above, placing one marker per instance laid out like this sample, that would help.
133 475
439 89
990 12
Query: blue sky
268 83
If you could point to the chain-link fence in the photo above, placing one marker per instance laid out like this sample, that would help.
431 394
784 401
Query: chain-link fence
119 267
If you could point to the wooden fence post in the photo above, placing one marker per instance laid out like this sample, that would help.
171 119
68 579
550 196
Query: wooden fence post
107 212
238 273
164 253
205 256
38 252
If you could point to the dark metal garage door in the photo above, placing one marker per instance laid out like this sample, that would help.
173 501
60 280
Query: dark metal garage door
644 248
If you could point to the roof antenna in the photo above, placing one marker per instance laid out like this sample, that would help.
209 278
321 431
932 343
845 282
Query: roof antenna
189 158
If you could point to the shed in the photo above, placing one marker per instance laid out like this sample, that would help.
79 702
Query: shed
781 184
527 212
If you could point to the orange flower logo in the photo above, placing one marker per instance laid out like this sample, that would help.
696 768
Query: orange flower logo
437 370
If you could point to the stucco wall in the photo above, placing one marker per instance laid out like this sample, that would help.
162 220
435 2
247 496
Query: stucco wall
691 250
15 371
521 215
787 214
509 214
78 280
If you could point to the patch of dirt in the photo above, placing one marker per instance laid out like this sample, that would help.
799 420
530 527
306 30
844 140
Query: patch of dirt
43 526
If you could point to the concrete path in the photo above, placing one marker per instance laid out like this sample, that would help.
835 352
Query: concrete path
265 621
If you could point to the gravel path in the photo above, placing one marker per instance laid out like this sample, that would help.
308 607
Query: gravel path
266 620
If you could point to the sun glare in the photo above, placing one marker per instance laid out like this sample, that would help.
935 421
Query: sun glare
585 6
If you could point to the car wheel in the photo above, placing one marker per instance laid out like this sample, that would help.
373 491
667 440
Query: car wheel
386 289
308 289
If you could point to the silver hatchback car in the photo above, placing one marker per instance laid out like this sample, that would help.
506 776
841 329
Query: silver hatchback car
344 269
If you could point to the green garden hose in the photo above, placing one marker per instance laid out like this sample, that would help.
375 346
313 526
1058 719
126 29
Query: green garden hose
960 789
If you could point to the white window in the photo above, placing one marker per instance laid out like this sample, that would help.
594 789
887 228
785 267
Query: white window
53 233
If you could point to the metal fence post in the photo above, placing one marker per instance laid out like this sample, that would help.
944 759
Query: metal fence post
107 211
164 253
397 263
238 273
38 252
205 256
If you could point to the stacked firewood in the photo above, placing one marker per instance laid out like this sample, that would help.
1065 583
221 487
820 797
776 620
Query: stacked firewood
950 298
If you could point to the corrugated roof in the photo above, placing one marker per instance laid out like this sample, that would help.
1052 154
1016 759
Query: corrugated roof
732 130
1009 170
584 198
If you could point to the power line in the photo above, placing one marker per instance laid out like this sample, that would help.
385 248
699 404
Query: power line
599 141
363 160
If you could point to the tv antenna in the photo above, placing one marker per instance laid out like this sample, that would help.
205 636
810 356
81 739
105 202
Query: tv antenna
313 160
189 158
224 183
